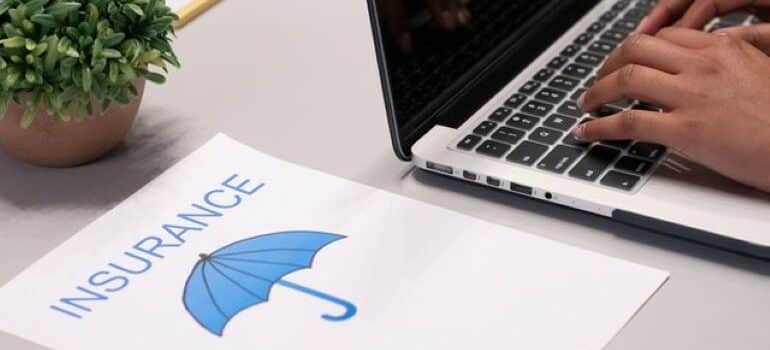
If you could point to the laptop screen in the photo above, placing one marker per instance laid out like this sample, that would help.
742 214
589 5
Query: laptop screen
431 51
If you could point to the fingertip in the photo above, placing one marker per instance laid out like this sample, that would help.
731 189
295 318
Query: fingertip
580 132
464 17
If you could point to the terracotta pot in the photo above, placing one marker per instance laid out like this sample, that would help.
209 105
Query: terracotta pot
50 142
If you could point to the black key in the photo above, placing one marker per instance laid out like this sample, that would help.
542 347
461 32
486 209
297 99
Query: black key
560 159
558 62
623 103
508 135
493 148
601 47
736 18
623 144
646 107
469 142
501 114
551 95
485 128
590 82
614 36
584 39
634 165
529 88
596 27
564 83
516 100
609 15
575 96
523 121
560 122
625 25
620 181
570 109
544 74
594 163
589 59
537 108
572 141
635 15
647 150
527 153
577 70
605 111
545 135
621 5
570 50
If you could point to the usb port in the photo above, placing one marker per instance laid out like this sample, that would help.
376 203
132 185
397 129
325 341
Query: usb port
491 181
469 175
521 189
440 168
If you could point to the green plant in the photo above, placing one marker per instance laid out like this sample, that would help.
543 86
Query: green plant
57 54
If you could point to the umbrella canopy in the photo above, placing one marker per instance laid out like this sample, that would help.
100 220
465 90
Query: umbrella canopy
241 275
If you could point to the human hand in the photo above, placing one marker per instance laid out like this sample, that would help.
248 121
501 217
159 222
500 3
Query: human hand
714 93
696 14
448 14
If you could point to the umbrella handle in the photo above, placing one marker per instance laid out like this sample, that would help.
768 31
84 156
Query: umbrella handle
350 309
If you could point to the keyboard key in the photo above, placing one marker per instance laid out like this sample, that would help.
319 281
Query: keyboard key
544 74
530 88
601 47
570 50
575 96
605 111
590 82
620 181
624 103
508 135
635 15
545 135
469 142
558 62
501 114
647 150
572 141
621 5
625 25
593 165
527 153
551 95
537 108
493 148
646 107
609 15
634 165
577 71
584 39
596 27
560 159
589 59
560 122
564 83
523 121
622 144
516 100
614 36
485 128
570 109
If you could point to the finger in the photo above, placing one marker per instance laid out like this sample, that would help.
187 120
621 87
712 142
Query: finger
703 11
397 23
443 15
756 35
463 15
634 82
636 125
647 51
663 14
689 38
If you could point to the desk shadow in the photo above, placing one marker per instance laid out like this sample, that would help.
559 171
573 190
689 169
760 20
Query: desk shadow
104 183
623 231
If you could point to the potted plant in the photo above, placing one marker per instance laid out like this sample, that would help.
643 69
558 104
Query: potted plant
72 74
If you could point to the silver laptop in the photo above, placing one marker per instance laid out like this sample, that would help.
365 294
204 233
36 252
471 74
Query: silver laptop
493 103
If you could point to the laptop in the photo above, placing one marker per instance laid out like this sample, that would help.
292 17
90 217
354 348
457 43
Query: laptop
493 103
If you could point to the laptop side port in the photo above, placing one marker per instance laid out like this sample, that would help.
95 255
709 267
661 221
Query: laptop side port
521 189
491 181
469 175
439 167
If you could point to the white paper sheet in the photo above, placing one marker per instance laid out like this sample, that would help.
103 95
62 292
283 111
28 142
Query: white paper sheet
418 276
177 5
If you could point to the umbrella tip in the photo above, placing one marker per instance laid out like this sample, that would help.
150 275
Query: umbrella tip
203 256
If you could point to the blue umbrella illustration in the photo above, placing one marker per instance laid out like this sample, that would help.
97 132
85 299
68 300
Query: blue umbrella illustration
241 275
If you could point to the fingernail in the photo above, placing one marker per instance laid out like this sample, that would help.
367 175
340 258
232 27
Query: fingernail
581 101
464 17
579 132
641 25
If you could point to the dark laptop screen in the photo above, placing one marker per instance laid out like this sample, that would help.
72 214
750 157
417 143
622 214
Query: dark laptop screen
427 59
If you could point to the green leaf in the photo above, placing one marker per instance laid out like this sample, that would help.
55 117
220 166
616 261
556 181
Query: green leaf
111 53
33 6
44 19
134 8
86 74
155 77
113 39
28 117
62 8
14 42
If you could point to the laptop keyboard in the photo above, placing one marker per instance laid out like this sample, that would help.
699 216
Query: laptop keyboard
532 127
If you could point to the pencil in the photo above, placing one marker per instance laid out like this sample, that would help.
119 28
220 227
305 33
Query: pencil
193 10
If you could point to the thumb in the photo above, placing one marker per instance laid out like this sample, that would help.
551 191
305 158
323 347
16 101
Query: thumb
756 35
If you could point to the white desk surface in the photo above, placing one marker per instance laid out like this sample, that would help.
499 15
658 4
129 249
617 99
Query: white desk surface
298 79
